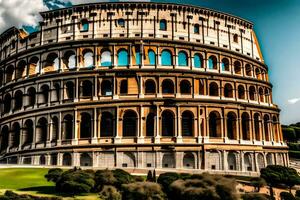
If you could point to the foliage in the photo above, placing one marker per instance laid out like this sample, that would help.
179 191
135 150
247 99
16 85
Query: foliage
143 191
289 134
104 177
297 194
286 196
9 195
154 176
257 183
122 177
149 176
166 179
54 174
110 193
254 196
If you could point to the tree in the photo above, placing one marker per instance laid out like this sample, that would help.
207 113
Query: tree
104 177
289 134
166 179
149 176
143 191
254 196
257 183
154 176
286 196
122 177
110 193
54 174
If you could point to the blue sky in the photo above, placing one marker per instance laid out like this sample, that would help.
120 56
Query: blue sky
276 23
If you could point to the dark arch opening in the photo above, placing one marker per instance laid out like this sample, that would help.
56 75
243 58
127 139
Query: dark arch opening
150 122
168 123
150 87
85 126
67 127
106 88
214 124
42 130
213 89
107 125
187 124
87 88
185 87
246 126
130 124
31 96
231 126
167 86
228 90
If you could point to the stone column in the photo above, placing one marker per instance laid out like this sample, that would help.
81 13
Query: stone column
118 137
94 122
140 126
157 136
178 122
76 129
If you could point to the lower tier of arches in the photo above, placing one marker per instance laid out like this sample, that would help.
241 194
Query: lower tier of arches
192 159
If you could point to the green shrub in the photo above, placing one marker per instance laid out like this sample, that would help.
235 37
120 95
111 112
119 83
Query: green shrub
297 194
138 179
143 191
54 174
166 179
122 177
104 177
287 196
9 195
254 196
110 193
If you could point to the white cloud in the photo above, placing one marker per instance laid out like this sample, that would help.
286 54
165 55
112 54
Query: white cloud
294 100
20 12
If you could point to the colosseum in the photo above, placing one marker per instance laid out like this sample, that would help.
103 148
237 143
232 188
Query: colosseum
138 86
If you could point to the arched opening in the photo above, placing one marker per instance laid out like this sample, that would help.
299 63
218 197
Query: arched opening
231 126
67 127
86 160
235 38
150 122
34 66
84 25
67 159
215 125
42 160
260 161
31 96
88 59
44 94
266 127
150 87
261 95
187 124
51 63
4 138
228 90
168 160
128 160
130 120
231 160
167 86
182 58
86 89
248 161
1 77
185 87
121 22
53 159
168 123
85 125
41 130
246 126
107 125
27 132
18 100
248 70
212 62
267 95
241 92
163 25
69 60
257 127
166 58
106 88
21 72
15 135
55 124
152 57
106 58
196 29
124 87
9 73
70 90
225 64
123 59
56 92
269 159
213 89
198 61
201 87
257 73
252 93
7 103
137 54
189 161
275 128
237 67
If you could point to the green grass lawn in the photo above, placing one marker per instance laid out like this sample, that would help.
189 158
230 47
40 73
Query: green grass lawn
31 181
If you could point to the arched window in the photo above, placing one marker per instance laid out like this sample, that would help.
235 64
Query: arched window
248 70
4 137
123 57
198 61
121 22
231 160
7 103
252 93
67 133
85 126
261 95
34 66
225 64
9 73
130 124
237 67
182 58
21 72
137 55
241 92
168 160
163 25
18 100
214 124
106 88
55 124
106 59
196 29
70 90
70 60
56 92
41 130
67 159
31 96
124 87
15 135
150 125
257 73
152 57
185 87
88 59
150 87
235 38
45 94
87 88
275 129
166 58
187 124
246 126
167 86
52 63
42 160
266 127
84 25
231 126
27 132
107 125
257 127
85 160
267 95
168 123
228 90
213 89
212 62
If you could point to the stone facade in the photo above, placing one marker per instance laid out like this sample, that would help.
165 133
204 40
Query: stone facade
138 86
